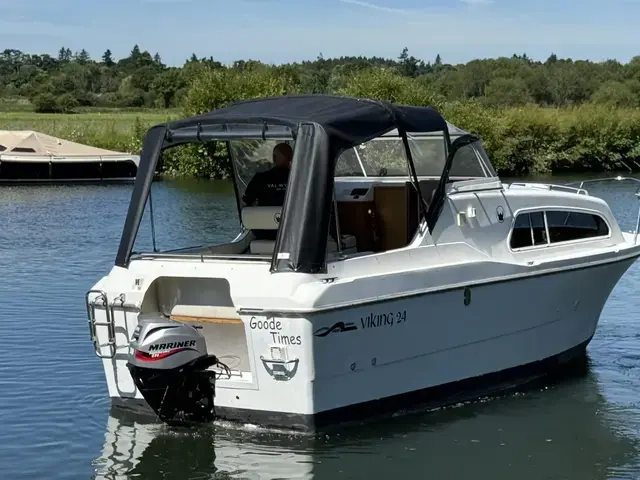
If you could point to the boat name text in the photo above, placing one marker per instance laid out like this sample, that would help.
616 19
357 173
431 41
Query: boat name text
375 320
274 327
286 339
270 325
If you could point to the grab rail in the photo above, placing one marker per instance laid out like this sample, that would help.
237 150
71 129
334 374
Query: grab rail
93 323
551 186
617 179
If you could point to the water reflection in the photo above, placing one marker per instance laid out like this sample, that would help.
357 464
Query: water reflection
567 430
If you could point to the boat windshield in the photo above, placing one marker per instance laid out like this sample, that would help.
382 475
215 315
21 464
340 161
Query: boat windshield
380 157
385 157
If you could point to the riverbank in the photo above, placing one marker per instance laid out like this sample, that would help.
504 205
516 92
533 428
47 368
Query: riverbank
528 140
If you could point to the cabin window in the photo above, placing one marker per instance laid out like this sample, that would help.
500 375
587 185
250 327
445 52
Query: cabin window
567 226
23 150
530 229
2 148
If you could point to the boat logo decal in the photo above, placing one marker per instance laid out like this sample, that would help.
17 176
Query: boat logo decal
500 213
280 370
276 218
335 328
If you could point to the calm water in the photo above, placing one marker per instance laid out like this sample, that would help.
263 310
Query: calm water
56 423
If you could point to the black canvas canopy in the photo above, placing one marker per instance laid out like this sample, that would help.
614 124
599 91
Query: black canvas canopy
322 127
349 121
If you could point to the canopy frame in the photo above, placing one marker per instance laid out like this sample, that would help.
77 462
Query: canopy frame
322 126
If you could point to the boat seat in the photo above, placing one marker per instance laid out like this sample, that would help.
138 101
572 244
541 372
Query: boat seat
262 247
268 218
261 218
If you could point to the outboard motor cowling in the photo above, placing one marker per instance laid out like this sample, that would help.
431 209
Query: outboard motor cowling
169 364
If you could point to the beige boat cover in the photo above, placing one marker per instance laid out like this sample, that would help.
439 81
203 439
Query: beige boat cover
35 146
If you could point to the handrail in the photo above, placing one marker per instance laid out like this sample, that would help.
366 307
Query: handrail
199 256
606 179
551 186
619 178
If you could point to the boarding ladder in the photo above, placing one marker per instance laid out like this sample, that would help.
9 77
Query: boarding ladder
102 300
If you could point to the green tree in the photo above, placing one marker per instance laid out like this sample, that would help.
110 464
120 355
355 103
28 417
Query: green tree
107 58
618 94
502 92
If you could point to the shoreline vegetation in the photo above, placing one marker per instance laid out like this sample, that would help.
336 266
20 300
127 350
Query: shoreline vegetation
535 117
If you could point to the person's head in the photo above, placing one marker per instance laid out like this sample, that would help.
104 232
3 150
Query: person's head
282 155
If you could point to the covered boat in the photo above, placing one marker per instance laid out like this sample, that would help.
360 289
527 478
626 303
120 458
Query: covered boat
399 269
28 156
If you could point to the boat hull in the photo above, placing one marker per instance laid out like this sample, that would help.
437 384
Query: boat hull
428 351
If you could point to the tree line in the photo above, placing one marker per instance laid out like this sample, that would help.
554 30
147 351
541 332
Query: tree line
65 82
533 117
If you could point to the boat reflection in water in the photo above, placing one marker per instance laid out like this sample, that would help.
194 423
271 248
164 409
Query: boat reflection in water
567 430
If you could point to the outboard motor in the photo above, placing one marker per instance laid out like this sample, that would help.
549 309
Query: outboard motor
168 362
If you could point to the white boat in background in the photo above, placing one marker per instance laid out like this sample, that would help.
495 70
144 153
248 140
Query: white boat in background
27 156
446 283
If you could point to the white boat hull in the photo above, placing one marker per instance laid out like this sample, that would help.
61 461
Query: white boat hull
433 349
428 289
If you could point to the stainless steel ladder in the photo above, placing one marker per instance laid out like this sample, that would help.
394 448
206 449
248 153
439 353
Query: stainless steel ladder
93 323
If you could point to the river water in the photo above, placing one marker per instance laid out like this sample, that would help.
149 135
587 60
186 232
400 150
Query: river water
56 421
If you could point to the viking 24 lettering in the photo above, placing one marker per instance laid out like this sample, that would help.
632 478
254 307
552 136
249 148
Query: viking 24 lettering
375 320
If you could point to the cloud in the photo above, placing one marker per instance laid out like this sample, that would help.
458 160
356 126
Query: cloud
478 2
371 6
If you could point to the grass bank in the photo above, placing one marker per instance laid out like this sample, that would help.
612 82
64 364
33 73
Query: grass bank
113 130
520 141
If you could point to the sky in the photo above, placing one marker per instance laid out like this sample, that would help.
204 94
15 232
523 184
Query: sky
277 31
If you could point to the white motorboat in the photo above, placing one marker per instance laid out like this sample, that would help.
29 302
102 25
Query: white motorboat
446 284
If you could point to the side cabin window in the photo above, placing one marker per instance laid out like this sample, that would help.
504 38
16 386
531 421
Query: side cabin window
528 230
554 226
24 150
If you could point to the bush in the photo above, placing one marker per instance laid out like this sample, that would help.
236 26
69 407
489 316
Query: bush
67 103
520 140
46 103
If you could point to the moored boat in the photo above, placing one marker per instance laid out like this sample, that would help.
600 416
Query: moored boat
32 157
